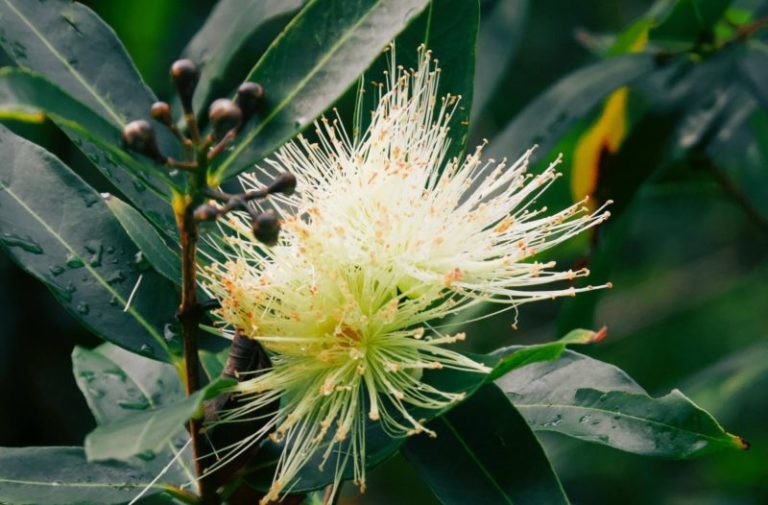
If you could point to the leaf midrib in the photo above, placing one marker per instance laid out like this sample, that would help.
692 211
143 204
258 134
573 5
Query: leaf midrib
76 484
522 406
90 269
307 78
66 64
176 452
486 473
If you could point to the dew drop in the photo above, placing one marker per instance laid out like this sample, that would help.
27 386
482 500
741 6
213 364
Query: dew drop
96 393
140 263
116 277
56 270
95 249
25 243
133 404
146 349
74 261
170 332
83 308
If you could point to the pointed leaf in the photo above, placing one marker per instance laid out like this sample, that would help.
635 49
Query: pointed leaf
485 452
29 96
70 45
549 116
593 401
318 56
379 445
117 384
228 28
150 430
500 34
449 29
62 476
60 230
165 260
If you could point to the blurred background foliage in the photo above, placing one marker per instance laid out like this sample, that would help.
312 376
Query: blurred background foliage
682 152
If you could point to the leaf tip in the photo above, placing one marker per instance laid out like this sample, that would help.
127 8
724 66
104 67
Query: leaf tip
599 335
741 443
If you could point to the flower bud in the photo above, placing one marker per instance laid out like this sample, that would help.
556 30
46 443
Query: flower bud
205 212
139 136
161 111
284 183
266 227
250 98
224 116
185 75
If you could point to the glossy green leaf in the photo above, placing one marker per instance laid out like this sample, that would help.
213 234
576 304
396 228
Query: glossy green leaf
163 259
485 452
29 96
321 52
70 45
689 20
62 476
149 430
500 34
597 402
550 115
753 70
509 358
449 29
60 230
380 446
116 384
228 28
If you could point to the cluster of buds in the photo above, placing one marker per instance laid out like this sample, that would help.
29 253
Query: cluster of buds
226 118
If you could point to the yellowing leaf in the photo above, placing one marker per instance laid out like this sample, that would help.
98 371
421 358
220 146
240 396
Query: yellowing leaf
604 136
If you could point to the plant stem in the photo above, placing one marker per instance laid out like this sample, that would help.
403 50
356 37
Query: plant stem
190 311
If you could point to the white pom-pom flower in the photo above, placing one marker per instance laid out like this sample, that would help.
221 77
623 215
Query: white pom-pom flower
383 236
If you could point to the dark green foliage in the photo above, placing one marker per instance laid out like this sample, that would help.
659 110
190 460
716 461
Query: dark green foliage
685 248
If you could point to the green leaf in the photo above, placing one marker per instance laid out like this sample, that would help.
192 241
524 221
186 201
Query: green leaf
62 476
449 29
689 20
379 446
60 230
596 402
150 430
500 34
28 96
226 31
164 260
753 70
485 453
509 358
70 45
318 56
550 115
116 384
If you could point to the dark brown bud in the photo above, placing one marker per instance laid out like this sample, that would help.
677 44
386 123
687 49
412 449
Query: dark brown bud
161 111
250 99
205 212
266 227
185 75
284 183
224 116
139 136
